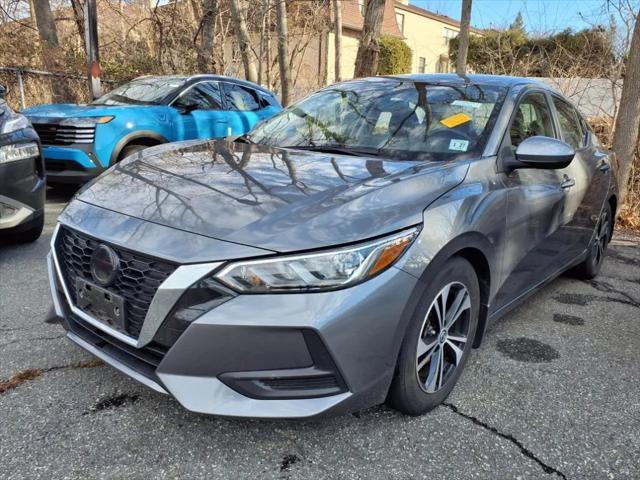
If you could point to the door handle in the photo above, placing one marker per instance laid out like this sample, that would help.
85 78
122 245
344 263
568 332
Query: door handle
568 183
604 167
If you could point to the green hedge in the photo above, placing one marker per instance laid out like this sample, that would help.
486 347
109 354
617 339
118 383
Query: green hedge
395 56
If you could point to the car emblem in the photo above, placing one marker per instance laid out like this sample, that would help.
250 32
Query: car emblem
105 264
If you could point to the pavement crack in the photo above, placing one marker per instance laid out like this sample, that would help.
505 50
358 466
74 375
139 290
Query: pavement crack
32 373
524 450
608 288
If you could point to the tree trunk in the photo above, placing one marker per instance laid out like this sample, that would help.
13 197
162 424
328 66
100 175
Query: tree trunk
337 32
78 17
627 127
48 34
208 25
46 23
283 52
463 38
244 42
369 48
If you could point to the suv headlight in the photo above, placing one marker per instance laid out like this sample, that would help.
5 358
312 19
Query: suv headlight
18 151
15 122
317 271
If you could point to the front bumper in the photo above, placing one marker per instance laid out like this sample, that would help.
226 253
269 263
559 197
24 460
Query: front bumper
71 164
261 356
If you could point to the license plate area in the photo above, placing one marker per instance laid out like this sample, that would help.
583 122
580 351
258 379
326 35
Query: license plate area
101 304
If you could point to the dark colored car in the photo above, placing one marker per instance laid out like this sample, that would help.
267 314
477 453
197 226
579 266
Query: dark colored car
81 141
22 177
352 249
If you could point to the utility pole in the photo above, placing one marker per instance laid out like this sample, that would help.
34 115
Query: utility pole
337 26
93 54
463 38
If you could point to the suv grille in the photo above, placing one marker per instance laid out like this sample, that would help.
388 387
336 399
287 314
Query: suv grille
137 280
55 134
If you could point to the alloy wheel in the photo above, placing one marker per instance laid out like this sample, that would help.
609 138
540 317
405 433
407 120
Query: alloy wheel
443 337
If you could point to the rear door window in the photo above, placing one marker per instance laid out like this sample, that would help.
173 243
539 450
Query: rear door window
532 118
240 98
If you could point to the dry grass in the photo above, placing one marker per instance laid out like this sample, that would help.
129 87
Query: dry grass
19 378
33 373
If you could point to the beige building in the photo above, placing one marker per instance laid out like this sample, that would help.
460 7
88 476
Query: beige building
427 34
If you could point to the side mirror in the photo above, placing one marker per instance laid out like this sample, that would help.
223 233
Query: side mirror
3 92
542 152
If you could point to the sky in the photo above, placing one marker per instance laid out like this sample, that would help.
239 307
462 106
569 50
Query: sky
540 16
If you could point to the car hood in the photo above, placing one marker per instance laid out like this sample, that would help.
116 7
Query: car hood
62 111
276 199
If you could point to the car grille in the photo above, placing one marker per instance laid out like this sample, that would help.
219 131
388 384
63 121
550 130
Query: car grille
56 134
137 280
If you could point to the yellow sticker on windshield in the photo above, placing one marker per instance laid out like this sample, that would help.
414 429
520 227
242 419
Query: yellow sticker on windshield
455 120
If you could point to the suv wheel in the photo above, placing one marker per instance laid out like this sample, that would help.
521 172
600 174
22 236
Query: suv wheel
438 340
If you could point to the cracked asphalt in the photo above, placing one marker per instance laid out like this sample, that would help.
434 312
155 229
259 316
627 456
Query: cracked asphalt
552 393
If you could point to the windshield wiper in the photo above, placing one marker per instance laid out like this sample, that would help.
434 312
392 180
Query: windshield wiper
354 151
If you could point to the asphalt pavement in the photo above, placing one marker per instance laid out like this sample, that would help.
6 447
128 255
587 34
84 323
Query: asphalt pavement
552 393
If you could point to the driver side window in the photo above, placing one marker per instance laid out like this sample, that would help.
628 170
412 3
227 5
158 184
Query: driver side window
532 117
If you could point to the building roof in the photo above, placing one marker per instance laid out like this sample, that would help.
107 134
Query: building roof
433 16
353 19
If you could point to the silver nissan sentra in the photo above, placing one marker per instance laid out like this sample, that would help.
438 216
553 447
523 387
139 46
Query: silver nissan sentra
351 250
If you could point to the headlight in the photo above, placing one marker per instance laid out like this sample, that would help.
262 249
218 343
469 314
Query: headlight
15 122
20 151
319 271
86 121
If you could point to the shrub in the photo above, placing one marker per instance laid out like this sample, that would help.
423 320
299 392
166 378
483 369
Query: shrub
395 56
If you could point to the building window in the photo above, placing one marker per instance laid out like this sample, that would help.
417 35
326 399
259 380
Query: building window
361 5
422 64
448 34
400 20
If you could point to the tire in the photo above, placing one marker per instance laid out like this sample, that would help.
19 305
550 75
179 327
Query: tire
130 150
416 387
597 250
31 234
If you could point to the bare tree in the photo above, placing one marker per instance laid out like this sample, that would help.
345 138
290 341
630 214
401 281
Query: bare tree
46 23
208 32
627 126
463 43
78 17
244 41
283 52
369 48
337 32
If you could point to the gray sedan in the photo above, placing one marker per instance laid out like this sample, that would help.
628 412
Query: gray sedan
351 250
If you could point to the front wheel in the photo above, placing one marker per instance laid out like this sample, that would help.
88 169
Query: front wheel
438 340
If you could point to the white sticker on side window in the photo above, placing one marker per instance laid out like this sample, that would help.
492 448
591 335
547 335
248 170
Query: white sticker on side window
458 145
466 103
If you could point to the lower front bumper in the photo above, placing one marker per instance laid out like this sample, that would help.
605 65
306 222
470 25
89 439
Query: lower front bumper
249 336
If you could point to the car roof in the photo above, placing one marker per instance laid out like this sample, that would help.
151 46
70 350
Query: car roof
453 79
189 79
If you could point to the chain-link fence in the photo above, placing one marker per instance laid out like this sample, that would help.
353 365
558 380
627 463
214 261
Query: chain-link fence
27 87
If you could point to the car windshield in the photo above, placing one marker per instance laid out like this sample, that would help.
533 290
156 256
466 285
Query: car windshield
144 91
388 117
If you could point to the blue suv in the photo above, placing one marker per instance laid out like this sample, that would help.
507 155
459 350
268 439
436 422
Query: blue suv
81 141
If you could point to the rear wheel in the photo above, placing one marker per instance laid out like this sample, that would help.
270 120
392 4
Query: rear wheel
438 340
591 266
